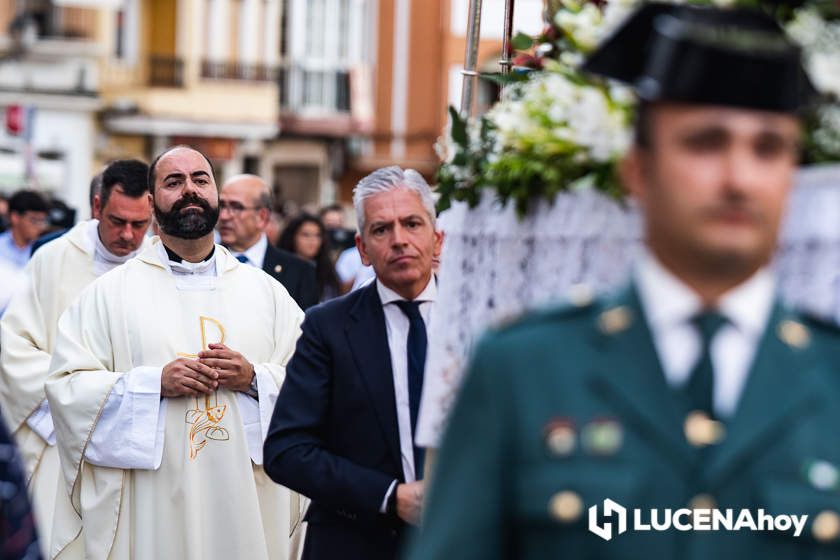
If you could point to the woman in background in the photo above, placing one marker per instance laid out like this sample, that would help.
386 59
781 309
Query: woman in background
304 236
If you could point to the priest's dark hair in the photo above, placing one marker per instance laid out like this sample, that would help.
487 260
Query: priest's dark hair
127 174
153 166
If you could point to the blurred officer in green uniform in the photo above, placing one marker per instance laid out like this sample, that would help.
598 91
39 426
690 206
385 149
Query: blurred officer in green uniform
693 389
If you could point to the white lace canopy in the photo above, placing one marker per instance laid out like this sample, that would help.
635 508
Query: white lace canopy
495 266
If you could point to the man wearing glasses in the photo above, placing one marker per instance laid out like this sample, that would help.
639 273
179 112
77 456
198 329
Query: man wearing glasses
28 217
244 213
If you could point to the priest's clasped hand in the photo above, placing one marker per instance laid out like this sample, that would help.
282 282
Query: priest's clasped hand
235 372
185 376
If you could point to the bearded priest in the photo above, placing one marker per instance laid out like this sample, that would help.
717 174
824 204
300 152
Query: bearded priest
162 384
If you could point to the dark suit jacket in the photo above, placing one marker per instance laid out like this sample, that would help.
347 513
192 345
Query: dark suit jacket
46 238
296 275
334 434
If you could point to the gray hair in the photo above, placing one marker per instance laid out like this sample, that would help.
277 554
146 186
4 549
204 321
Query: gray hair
387 179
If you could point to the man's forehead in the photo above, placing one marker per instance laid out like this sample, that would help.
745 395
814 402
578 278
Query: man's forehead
183 160
128 208
397 202
722 115
242 188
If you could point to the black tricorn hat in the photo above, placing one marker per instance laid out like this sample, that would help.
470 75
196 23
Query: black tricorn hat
708 56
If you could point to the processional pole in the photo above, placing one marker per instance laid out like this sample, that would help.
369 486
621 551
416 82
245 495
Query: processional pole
471 56
507 47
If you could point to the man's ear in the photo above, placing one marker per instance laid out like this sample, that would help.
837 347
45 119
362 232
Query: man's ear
96 211
632 172
263 216
360 245
440 235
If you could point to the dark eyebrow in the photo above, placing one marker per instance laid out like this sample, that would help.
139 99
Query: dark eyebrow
180 175
174 176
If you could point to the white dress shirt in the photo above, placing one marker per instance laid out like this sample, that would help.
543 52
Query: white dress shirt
256 252
135 401
396 327
670 306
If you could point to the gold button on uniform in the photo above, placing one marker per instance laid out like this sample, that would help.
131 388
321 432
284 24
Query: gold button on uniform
566 506
702 501
794 334
277 269
826 526
700 430
615 320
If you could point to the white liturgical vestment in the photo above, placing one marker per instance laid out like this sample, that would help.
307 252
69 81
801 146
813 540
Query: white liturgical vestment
53 278
155 478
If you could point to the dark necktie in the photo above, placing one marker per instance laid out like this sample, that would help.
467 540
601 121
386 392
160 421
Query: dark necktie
242 258
699 389
416 351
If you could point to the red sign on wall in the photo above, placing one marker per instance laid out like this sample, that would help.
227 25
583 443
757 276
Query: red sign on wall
15 119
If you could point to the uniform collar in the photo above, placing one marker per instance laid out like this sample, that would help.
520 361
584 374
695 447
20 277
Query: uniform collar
668 301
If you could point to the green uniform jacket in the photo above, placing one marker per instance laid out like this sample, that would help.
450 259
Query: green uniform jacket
568 407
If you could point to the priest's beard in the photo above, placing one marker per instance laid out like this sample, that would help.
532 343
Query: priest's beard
191 224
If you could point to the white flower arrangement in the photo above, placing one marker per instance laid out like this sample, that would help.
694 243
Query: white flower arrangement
558 129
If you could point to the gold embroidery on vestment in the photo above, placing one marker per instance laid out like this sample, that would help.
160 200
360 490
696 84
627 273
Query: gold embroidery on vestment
204 421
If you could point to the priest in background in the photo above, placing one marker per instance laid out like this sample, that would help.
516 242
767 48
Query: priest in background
163 380
54 278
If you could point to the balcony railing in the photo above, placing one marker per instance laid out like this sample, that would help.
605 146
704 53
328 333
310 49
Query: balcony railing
237 71
314 90
166 71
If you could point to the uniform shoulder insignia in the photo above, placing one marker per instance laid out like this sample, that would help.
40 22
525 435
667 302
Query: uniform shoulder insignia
580 295
583 305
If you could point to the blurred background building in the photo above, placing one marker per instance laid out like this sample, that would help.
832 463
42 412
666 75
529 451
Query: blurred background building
310 94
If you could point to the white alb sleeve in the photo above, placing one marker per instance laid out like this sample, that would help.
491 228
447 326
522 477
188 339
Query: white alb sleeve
121 438
256 413
41 422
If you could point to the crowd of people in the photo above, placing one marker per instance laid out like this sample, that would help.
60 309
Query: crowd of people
28 219
204 394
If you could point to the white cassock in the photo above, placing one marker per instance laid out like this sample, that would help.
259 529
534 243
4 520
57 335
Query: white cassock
53 278
158 478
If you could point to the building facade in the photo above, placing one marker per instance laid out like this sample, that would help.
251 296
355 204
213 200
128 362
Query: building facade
49 95
310 94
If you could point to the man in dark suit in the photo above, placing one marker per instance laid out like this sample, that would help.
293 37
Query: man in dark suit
342 430
244 212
